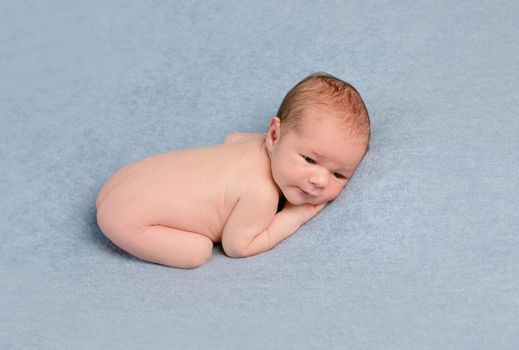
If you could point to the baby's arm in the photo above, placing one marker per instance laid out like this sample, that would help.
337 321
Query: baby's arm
254 226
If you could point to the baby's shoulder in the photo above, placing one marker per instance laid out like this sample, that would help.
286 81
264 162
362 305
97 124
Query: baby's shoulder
251 188
251 173
242 136
260 192
256 184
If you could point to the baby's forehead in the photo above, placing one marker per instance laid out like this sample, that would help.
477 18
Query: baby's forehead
334 121
341 141
331 144
345 122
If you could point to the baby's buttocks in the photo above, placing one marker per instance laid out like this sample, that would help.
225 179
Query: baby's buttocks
119 177
120 212
184 190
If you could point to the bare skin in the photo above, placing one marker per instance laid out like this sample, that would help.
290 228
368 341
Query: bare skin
170 208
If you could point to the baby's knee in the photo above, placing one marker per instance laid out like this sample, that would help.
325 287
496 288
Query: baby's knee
202 255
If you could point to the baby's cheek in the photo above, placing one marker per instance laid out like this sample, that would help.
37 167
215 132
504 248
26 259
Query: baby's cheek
334 194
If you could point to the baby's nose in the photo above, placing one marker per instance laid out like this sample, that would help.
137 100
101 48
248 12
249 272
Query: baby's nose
320 178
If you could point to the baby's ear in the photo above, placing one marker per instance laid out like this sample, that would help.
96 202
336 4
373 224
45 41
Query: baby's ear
273 133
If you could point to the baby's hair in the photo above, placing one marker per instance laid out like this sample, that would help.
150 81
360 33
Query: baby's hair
324 89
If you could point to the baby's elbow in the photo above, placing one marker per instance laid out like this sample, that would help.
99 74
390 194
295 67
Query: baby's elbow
233 250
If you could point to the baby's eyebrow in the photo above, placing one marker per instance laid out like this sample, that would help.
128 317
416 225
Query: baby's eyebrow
319 155
313 151
346 171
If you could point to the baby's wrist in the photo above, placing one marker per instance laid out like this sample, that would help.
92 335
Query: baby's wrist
300 214
292 219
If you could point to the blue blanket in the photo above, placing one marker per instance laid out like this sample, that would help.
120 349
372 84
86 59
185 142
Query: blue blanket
420 251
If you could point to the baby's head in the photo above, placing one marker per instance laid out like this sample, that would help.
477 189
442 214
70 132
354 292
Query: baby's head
325 90
317 139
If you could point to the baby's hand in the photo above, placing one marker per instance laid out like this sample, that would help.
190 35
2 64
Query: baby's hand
303 212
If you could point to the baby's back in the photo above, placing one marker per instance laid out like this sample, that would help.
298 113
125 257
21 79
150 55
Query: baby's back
191 189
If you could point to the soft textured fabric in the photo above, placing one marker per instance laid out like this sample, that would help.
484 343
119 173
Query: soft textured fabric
421 251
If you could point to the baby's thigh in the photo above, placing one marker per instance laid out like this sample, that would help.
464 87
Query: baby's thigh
123 220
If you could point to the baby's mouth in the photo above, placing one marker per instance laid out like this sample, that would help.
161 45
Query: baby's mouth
306 193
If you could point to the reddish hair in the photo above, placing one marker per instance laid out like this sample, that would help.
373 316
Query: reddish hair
325 89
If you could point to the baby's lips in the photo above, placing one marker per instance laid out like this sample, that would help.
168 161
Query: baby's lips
307 192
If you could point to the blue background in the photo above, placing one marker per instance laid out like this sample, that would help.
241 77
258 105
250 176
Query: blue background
419 252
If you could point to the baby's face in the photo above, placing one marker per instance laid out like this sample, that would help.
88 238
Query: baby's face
314 163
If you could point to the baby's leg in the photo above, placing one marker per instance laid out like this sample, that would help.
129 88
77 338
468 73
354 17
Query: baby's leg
158 244
169 246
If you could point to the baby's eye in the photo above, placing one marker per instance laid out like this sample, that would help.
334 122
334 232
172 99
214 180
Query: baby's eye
339 176
309 160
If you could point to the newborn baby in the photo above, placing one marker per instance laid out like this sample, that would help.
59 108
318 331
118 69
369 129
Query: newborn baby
170 208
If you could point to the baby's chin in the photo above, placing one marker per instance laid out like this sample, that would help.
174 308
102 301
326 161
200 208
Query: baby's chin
305 202
298 199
